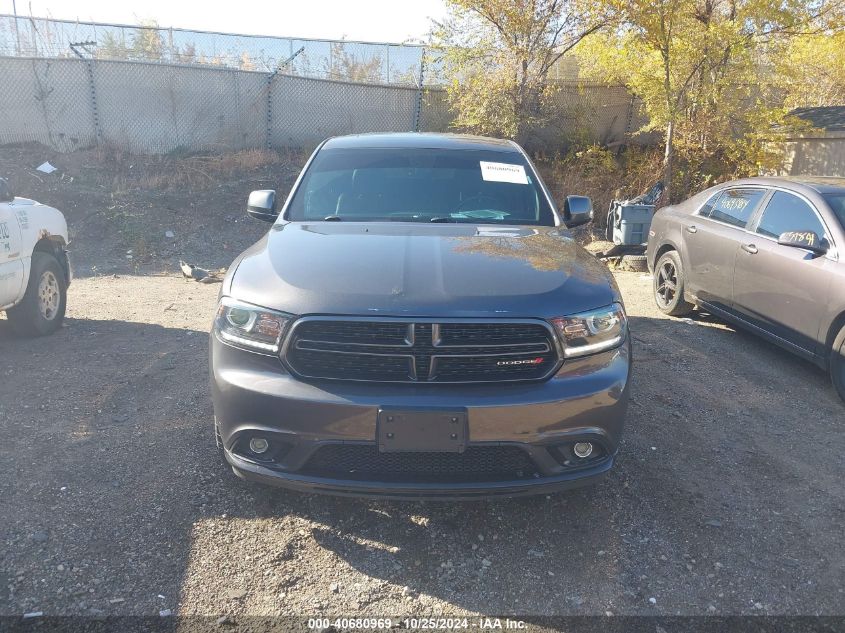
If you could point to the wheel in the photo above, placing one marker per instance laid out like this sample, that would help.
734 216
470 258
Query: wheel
669 285
633 263
43 307
837 364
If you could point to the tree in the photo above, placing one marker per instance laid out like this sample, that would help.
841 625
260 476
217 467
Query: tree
697 64
147 42
811 70
496 56
344 64
187 54
110 47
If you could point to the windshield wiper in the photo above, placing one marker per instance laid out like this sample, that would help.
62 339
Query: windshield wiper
441 218
332 218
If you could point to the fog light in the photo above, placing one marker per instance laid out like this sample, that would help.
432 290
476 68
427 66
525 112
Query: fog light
583 449
258 445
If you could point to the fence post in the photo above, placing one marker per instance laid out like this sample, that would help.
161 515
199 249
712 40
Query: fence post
92 87
418 105
89 66
270 78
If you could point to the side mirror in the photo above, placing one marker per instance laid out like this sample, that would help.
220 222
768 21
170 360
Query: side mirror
807 240
577 210
262 205
6 194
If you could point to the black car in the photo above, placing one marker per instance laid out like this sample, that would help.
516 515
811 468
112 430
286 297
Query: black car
419 322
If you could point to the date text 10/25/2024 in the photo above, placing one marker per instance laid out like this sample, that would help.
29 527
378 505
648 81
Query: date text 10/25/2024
416 624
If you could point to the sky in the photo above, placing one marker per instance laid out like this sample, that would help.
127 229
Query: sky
367 20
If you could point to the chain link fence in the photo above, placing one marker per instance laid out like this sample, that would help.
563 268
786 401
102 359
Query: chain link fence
72 85
598 113
325 59
156 108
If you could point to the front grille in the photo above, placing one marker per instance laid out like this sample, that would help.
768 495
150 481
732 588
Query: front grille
382 350
364 462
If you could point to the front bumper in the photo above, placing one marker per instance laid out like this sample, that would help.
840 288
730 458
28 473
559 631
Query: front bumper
585 401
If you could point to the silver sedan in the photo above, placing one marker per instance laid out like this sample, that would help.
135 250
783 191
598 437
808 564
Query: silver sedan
763 253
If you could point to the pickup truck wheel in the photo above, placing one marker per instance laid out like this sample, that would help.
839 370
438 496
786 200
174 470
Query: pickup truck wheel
669 285
42 309
837 364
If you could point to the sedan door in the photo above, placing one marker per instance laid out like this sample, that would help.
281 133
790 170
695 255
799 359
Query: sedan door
712 238
11 264
784 289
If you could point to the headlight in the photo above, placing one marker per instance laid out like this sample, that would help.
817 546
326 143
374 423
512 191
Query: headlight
249 327
591 332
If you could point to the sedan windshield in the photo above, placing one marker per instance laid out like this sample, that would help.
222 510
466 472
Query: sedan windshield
837 203
420 185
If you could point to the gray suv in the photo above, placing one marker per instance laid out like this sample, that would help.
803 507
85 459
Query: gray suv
765 254
419 322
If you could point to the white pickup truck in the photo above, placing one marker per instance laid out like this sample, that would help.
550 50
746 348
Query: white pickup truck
34 267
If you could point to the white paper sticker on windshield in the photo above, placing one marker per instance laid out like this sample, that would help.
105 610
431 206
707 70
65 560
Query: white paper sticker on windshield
503 172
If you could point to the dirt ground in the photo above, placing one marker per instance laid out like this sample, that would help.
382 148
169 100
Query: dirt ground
727 497
141 215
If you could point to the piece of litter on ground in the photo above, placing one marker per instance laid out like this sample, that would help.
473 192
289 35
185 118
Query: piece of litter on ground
161 597
652 600
170 234
116 600
46 167
165 613
33 614
198 274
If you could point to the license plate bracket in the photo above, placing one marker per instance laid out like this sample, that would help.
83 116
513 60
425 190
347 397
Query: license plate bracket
422 430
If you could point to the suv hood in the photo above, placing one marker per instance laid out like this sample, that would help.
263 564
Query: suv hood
424 270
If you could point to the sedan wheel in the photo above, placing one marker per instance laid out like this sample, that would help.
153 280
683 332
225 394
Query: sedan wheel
669 285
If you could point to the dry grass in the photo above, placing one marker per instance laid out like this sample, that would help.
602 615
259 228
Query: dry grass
602 175
123 172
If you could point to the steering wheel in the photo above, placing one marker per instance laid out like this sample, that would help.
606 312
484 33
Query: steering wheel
480 198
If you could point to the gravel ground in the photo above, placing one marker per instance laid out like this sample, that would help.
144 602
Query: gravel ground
727 497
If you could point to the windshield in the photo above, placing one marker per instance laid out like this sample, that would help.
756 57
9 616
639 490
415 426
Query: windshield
837 203
420 185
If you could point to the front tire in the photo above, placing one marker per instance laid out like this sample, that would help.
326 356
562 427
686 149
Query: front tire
42 309
837 364
669 282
